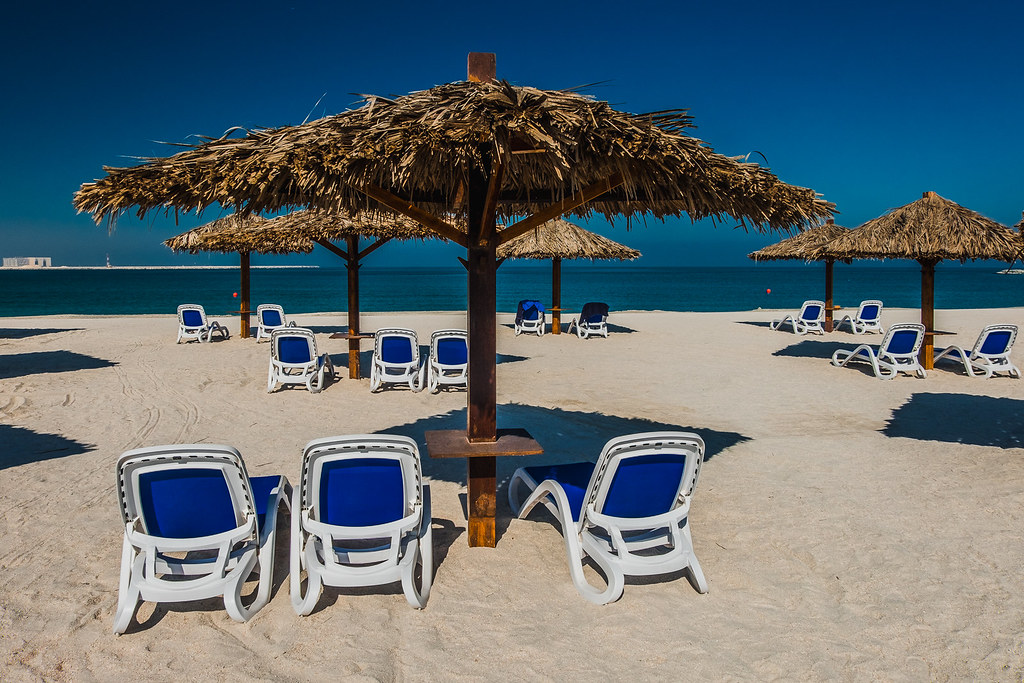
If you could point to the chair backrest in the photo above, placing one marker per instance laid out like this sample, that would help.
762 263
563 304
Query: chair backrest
396 345
529 309
293 345
902 340
184 491
449 347
594 312
361 479
870 310
995 341
270 315
191 315
812 310
646 474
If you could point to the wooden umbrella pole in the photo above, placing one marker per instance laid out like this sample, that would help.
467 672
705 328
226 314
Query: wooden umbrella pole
828 294
243 310
556 295
927 356
352 266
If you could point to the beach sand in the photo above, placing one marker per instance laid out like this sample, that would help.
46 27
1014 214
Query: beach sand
849 528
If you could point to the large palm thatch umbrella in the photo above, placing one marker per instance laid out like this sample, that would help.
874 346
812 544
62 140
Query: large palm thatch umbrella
475 151
559 239
808 246
244 235
928 230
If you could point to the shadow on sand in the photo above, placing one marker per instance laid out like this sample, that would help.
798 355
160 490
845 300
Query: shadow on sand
810 348
21 446
16 333
36 362
979 420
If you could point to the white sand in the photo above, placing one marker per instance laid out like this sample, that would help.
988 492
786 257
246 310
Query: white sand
843 531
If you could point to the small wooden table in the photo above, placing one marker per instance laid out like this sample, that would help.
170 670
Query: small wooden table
481 459
927 354
353 350
556 320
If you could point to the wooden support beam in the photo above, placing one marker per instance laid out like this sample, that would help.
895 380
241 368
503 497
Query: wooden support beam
373 247
243 310
352 264
331 247
482 67
481 322
927 355
406 208
560 207
829 263
556 295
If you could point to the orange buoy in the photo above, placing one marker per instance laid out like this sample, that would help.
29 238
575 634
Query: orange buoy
767 291
235 295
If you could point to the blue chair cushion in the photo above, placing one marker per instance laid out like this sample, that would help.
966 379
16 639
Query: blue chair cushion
870 313
995 343
812 312
902 341
191 318
396 350
293 350
573 477
186 503
361 492
272 318
452 351
261 488
645 485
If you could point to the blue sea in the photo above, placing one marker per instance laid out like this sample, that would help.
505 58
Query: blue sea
623 286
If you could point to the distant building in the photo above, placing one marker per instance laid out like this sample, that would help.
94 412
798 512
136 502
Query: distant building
27 262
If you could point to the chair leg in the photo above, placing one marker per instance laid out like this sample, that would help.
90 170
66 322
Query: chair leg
423 556
127 591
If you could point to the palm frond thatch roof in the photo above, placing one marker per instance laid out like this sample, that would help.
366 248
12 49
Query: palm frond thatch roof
234 233
562 239
806 246
423 147
334 226
932 228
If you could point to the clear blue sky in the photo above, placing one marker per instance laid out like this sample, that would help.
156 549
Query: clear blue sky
868 103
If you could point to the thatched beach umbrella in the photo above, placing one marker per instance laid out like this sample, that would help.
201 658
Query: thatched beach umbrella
559 239
808 246
930 230
475 151
243 235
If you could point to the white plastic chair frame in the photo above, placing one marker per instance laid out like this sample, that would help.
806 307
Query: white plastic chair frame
441 374
980 361
859 323
314 372
804 322
525 326
263 330
888 362
149 572
202 332
340 556
383 372
585 328
614 542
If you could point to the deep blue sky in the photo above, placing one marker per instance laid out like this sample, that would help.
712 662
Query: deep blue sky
868 103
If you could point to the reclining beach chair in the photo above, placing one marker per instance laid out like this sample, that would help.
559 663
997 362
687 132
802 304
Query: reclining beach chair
196 527
294 360
270 317
396 359
529 317
361 518
192 324
629 512
990 355
593 320
449 359
809 319
897 353
867 319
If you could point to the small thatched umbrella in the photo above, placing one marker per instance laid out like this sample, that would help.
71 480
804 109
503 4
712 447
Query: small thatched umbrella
808 246
929 230
243 235
559 239
475 151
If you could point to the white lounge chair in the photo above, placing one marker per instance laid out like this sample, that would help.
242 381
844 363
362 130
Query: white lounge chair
294 360
529 317
629 512
809 319
192 324
270 317
449 359
196 527
361 518
867 319
593 320
396 359
990 355
897 353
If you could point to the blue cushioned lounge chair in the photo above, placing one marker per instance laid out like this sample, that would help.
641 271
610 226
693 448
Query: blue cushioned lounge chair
809 319
990 355
192 324
629 512
529 317
593 320
196 527
361 518
897 353
294 360
867 319
396 359
449 359
270 317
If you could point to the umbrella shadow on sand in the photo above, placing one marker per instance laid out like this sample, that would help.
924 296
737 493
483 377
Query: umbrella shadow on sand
22 446
980 420
25 333
37 362
810 348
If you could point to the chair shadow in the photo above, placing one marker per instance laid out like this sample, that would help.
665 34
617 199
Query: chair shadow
22 446
754 323
18 333
809 348
39 362
980 420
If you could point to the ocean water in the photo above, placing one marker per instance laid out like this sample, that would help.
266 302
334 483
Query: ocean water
622 286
